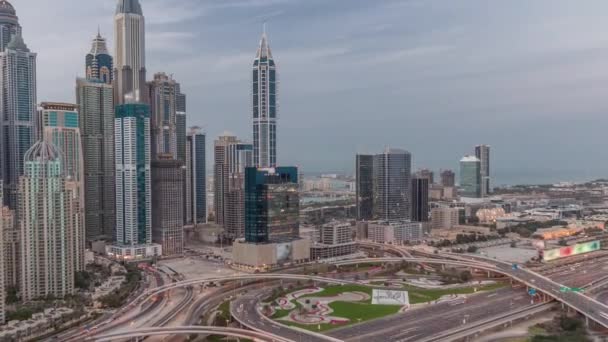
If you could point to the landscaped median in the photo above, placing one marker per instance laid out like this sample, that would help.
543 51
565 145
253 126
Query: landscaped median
322 309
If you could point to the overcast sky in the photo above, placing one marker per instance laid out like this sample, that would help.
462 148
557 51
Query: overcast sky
435 77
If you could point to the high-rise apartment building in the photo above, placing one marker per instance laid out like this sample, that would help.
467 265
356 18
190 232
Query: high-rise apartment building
365 186
265 108
482 152
392 185
272 205
48 256
448 178
11 249
60 126
420 199
196 178
163 95
470 177
99 63
2 271
133 191
95 101
181 133
168 204
130 51
17 103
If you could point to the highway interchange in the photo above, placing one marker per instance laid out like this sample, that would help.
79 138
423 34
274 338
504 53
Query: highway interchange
181 303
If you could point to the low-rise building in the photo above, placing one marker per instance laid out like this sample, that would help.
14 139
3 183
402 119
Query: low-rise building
335 240
395 232
267 256
39 325
444 217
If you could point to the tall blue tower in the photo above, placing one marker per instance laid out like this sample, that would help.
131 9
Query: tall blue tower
99 62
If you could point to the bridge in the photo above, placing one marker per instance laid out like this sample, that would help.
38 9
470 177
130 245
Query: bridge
230 332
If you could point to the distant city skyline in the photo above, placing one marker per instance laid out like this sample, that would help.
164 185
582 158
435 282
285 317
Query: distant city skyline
447 77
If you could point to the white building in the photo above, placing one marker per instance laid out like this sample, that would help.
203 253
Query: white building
395 232
129 51
444 218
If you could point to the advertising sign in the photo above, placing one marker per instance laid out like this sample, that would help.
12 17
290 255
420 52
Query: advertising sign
390 297
567 251
284 252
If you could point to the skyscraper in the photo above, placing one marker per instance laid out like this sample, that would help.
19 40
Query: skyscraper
9 24
96 105
99 63
265 107
482 152
470 177
272 205
48 258
196 177
130 51
11 249
133 192
392 185
426 173
2 270
448 178
164 91
168 204
17 103
59 124
420 199
365 186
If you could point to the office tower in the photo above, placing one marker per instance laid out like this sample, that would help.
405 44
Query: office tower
426 173
99 63
59 125
470 177
11 251
265 107
181 133
392 183
240 156
196 177
130 51
365 187
47 236
18 106
133 193
168 204
9 24
163 95
448 178
272 205
420 199
482 152
95 101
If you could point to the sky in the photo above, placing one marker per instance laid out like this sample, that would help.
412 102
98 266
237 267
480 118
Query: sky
434 77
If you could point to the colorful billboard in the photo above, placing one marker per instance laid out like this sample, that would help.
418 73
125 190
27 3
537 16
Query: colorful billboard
390 297
577 249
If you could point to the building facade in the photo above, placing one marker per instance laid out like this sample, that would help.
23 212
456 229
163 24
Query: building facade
133 177
99 63
395 232
18 111
482 152
470 177
60 126
444 218
420 199
2 271
130 52
392 185
48 255
364 186
265 108
95 101
196 178
11 249
448 178
163 95
168 204
272 204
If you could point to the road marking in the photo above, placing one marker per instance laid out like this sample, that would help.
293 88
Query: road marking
492 295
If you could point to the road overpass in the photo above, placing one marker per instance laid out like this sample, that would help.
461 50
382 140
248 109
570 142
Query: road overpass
231 332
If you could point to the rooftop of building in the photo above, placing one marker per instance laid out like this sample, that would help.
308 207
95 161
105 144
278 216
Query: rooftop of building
469 159
6 8
58 106
129 7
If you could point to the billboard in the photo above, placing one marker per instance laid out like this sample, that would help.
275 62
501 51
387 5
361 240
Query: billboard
284 252
390 297
567 251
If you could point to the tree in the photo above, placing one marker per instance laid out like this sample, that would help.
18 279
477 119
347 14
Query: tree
562 242
465 276
472 249
513 244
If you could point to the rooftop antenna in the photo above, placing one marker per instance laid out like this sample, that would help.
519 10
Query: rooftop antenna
264 27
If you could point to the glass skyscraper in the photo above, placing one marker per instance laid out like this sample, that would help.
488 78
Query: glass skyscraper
130 51
365 187
18 109
264 107
196 177
272 205
392 185
470 177
482 152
